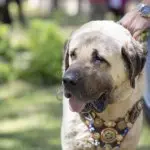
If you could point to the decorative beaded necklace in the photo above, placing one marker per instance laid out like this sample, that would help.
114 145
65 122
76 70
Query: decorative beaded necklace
110 134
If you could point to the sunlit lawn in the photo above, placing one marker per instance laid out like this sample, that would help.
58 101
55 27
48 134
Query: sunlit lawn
30 118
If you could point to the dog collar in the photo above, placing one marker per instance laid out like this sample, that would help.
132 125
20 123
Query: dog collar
110 134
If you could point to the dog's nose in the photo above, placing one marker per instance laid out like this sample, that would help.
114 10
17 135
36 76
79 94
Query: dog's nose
70 78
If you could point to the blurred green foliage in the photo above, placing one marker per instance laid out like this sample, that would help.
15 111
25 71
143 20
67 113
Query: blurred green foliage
6 51
45 47
39 59
6 54
5 72
60 17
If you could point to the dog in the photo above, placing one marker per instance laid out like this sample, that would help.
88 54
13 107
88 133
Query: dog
103 84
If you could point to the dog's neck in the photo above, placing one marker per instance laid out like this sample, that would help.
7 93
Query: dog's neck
109 128
123 99
109 134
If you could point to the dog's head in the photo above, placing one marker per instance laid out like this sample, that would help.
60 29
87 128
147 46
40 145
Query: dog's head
99 57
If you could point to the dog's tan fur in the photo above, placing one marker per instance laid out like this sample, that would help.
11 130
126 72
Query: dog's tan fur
108 38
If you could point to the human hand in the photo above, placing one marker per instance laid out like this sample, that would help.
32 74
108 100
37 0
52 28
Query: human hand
135 23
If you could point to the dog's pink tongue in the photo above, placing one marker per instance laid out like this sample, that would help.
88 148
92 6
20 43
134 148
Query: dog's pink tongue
75 105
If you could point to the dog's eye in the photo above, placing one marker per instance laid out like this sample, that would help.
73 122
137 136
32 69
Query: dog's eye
73 55
97 59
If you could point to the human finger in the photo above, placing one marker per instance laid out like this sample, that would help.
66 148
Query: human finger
137 34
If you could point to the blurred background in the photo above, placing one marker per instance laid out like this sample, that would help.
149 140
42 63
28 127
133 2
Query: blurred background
32 34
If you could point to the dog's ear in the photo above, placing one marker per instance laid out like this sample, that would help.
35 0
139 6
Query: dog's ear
66 55
134 55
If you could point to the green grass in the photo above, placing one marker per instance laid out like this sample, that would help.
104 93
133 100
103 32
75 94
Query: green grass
145 137
30 118
29 121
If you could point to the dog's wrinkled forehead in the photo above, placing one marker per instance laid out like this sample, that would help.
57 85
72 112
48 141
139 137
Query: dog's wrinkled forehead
84 44
102 29
92 38
103 35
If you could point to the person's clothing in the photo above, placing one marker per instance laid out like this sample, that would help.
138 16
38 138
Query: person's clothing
97 1
117 6
147 77
147 85
98 11
2 2
5 16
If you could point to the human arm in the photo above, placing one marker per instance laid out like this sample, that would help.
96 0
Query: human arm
146 2
135 23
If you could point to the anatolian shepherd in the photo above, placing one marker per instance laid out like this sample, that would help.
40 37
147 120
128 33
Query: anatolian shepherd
103 85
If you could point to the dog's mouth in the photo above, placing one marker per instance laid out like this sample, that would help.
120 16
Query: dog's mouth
98 105
76 105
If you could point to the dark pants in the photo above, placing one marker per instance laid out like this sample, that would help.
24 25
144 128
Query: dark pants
5 16
117 12
147 77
